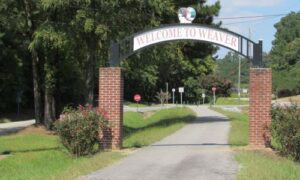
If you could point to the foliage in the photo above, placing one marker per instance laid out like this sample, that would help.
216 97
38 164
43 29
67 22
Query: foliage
163 97
285 56
174 63
285 130
203 84
228 68
286 82
51 49
79 130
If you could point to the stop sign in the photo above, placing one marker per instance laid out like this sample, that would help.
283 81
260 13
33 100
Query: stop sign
137 98
213 89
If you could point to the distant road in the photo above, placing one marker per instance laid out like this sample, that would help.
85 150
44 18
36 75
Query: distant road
6 128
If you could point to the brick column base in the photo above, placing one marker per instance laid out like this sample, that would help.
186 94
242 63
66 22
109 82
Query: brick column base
111 101
260 106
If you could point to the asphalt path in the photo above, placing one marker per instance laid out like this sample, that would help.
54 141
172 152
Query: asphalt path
198 151
12 127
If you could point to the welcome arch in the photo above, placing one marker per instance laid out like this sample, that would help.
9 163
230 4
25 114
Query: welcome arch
186 32
111 80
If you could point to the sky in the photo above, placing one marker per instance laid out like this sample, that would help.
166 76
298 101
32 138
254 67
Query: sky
256 28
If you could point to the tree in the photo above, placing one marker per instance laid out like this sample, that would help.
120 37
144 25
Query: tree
287 31
50 49
174 63
285 55
228 68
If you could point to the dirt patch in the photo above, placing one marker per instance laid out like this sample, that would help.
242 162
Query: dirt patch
127 151
266 151
147 114
3 157
35 130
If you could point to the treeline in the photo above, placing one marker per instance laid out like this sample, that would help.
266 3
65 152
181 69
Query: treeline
228 68
284 57
50 51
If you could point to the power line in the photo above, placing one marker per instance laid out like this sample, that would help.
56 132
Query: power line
250 17
253 20
267 17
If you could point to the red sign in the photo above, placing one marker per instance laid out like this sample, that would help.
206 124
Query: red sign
214 89
137 98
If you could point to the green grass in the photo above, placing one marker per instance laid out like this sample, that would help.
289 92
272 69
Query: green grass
139 131
258 165
133 104
230 101
262 166
289 99
38 155
238 135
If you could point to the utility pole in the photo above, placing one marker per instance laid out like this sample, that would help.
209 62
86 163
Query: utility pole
167 91
239 79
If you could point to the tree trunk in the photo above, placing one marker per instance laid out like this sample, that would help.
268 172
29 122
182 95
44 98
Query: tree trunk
35 65
50 89
90 71
49 111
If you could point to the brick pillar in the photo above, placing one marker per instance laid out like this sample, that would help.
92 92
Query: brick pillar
111 101
260 105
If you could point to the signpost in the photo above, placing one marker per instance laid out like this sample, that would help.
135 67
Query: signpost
214 93
203 97
173 92
137 98
181 90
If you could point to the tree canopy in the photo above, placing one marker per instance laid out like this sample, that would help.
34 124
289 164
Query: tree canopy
51 51
285 55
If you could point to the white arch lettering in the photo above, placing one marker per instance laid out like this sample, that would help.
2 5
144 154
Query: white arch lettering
171 33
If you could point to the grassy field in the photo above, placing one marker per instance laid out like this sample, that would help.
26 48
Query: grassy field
258 165
230 101
37 154
289 99
133 104
141 131
266 166
238 135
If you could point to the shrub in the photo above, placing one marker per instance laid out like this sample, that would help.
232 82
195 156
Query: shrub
79 129
285 129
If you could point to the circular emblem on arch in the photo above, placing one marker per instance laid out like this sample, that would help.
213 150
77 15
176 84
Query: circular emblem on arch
186 15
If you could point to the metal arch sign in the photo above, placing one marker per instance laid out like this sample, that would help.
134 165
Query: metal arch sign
186 32
182 32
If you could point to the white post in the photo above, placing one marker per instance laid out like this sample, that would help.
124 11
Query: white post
181 98
214 97
173 92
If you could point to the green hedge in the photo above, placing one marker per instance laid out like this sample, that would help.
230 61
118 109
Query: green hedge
285 129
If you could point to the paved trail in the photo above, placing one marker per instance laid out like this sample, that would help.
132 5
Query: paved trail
198 151
6 128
